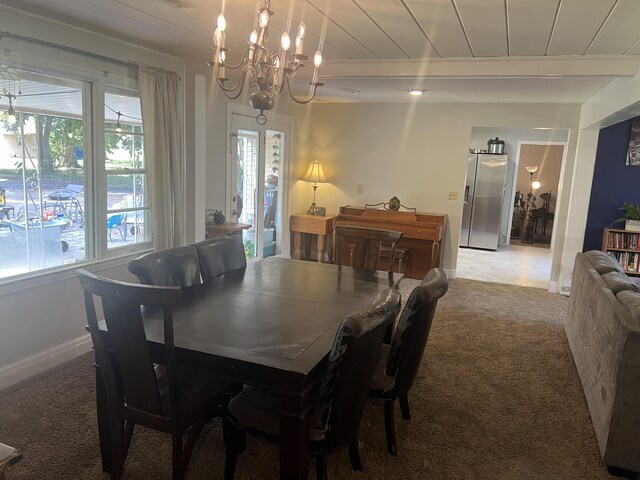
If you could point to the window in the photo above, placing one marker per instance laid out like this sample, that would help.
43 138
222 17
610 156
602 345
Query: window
128 210
50 215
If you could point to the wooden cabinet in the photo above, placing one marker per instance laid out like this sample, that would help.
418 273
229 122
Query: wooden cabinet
304 227
625 246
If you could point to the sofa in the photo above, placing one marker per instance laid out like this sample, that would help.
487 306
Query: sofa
603 329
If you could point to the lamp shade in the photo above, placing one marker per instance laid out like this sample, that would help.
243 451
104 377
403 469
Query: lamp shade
532 169
315 173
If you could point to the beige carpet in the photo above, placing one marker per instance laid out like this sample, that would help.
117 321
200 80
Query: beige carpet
498 397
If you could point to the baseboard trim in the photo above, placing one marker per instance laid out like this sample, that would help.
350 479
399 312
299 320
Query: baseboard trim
39 363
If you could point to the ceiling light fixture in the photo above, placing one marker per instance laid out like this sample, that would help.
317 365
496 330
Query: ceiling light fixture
268 71
416 91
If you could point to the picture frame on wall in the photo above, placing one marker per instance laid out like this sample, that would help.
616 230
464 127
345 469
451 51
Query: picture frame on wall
633 152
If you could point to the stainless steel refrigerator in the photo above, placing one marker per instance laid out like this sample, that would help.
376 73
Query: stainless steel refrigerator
483 195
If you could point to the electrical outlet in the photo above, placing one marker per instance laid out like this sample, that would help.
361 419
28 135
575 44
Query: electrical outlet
360 188
453 196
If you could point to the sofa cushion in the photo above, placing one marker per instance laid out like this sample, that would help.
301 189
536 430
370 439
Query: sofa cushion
618 282
631 301
603 262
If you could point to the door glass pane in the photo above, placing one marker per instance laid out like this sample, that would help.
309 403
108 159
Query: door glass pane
272 206
42 177
246 187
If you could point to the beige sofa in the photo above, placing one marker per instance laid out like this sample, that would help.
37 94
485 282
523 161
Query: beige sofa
603 329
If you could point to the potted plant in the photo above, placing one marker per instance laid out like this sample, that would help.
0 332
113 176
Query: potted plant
631 216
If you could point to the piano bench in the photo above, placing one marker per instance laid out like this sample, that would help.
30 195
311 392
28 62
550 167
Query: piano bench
402 255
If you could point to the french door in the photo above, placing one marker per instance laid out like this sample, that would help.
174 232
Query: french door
257 161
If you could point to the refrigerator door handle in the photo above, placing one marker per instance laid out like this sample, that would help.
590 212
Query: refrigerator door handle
466 194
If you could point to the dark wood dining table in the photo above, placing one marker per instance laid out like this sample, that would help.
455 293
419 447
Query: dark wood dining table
270 325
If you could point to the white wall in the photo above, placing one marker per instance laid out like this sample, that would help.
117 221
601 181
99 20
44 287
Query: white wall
42 321
417 152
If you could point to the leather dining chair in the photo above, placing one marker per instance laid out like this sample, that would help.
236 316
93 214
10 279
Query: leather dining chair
174 267
342 397
220 255
364 246
400 361
179 399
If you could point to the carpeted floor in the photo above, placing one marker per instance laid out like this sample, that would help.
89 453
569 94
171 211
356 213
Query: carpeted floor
498 397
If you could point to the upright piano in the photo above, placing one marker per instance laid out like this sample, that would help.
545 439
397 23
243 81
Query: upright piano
422 234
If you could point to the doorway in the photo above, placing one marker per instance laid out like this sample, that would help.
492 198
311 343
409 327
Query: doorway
258 154
534 193
512 262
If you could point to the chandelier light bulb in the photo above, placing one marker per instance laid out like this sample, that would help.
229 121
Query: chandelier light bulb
302 29
285 41
535 185
222 23
276 62
264 18
253 38
317 59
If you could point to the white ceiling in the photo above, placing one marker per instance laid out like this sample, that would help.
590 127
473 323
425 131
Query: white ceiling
558 51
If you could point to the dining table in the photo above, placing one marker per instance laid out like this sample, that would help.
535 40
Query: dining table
271 326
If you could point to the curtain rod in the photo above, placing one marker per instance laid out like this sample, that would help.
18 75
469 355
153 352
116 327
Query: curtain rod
78 51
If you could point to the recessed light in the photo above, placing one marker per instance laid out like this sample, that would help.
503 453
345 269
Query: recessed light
416 91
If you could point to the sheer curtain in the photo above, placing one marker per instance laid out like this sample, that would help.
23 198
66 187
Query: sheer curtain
162 127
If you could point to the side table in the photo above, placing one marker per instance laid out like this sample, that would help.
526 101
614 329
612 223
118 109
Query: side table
304 226
223 229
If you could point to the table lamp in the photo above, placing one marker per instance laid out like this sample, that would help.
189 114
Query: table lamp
315 174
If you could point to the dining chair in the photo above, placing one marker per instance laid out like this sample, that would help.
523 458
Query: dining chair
342 396
135 394
175 267
220 255
399 361
364 246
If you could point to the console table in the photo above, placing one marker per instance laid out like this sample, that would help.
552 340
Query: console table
308 225
422 234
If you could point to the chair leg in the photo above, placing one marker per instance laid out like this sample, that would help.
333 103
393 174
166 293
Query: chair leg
404 406
191 442
321 466
176 455
236 441
117 449
354 455
128 433
389 426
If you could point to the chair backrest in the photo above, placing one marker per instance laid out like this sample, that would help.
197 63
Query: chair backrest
364 246
175 267
350 367
220 255
411 333
122 352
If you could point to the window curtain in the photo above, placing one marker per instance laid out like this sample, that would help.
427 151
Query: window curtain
162 127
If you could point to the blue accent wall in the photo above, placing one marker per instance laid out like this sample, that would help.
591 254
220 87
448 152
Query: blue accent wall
613 183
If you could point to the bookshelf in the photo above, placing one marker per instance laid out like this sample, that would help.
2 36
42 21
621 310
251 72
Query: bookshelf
625 246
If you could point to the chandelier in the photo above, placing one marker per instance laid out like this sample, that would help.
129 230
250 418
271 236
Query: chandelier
268 71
